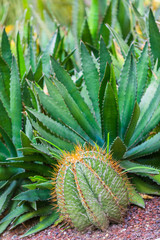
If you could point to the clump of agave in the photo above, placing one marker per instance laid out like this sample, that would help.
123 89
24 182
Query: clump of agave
90 189
120 97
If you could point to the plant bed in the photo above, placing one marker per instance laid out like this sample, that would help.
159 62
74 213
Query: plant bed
139 223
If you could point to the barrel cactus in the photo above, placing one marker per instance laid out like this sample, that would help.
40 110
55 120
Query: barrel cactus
90 189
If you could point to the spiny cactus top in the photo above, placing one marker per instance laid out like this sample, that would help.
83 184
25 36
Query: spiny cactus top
90 189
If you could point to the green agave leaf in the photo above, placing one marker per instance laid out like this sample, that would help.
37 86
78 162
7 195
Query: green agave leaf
104 58
77 114
26 142
68 58
29 76
37 168
15 213
141 20
142 67
104 32
15 104
43 211
38 148
4 150
65 79
93 19
5 224
6 172
110 117
50 49
45 185
132 124
129 98
137 168
28 128
8 142
39 71
118 149
5 84
5 121
20 57
102 88
31 158
148 105
5 48
135 198
33 102
38 178
155 178
86 34
31 48
91 78
122 44
144 186
56 128
46 222
7 199
21 175
152 160
57 108
154 37
93 49
123 81
152 124
146 148
60 142
4 196
124 18
33 195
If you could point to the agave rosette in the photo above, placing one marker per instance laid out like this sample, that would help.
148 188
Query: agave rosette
126 107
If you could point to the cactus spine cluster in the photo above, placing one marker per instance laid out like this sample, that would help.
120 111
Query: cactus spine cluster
90 189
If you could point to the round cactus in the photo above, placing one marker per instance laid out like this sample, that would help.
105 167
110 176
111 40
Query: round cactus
90 189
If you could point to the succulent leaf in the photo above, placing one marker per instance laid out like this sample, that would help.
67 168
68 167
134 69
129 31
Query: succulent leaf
118 149
65 79
15 104
40 212
148 105
129 97
5 47
145 187
33 195
145 148
46 222
122 44
123 82
154 37
4 84
91 78
104 32
104 58
20 57
132 124
86 34
110 117
142 67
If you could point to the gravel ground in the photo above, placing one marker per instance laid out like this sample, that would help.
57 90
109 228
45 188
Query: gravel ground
141 224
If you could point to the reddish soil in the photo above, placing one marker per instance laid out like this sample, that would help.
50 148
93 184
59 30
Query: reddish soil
139 224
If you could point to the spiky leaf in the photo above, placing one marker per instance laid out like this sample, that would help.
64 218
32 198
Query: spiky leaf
15 104
154 36
110 115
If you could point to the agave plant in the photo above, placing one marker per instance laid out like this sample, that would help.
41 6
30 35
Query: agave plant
14 95
128 111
